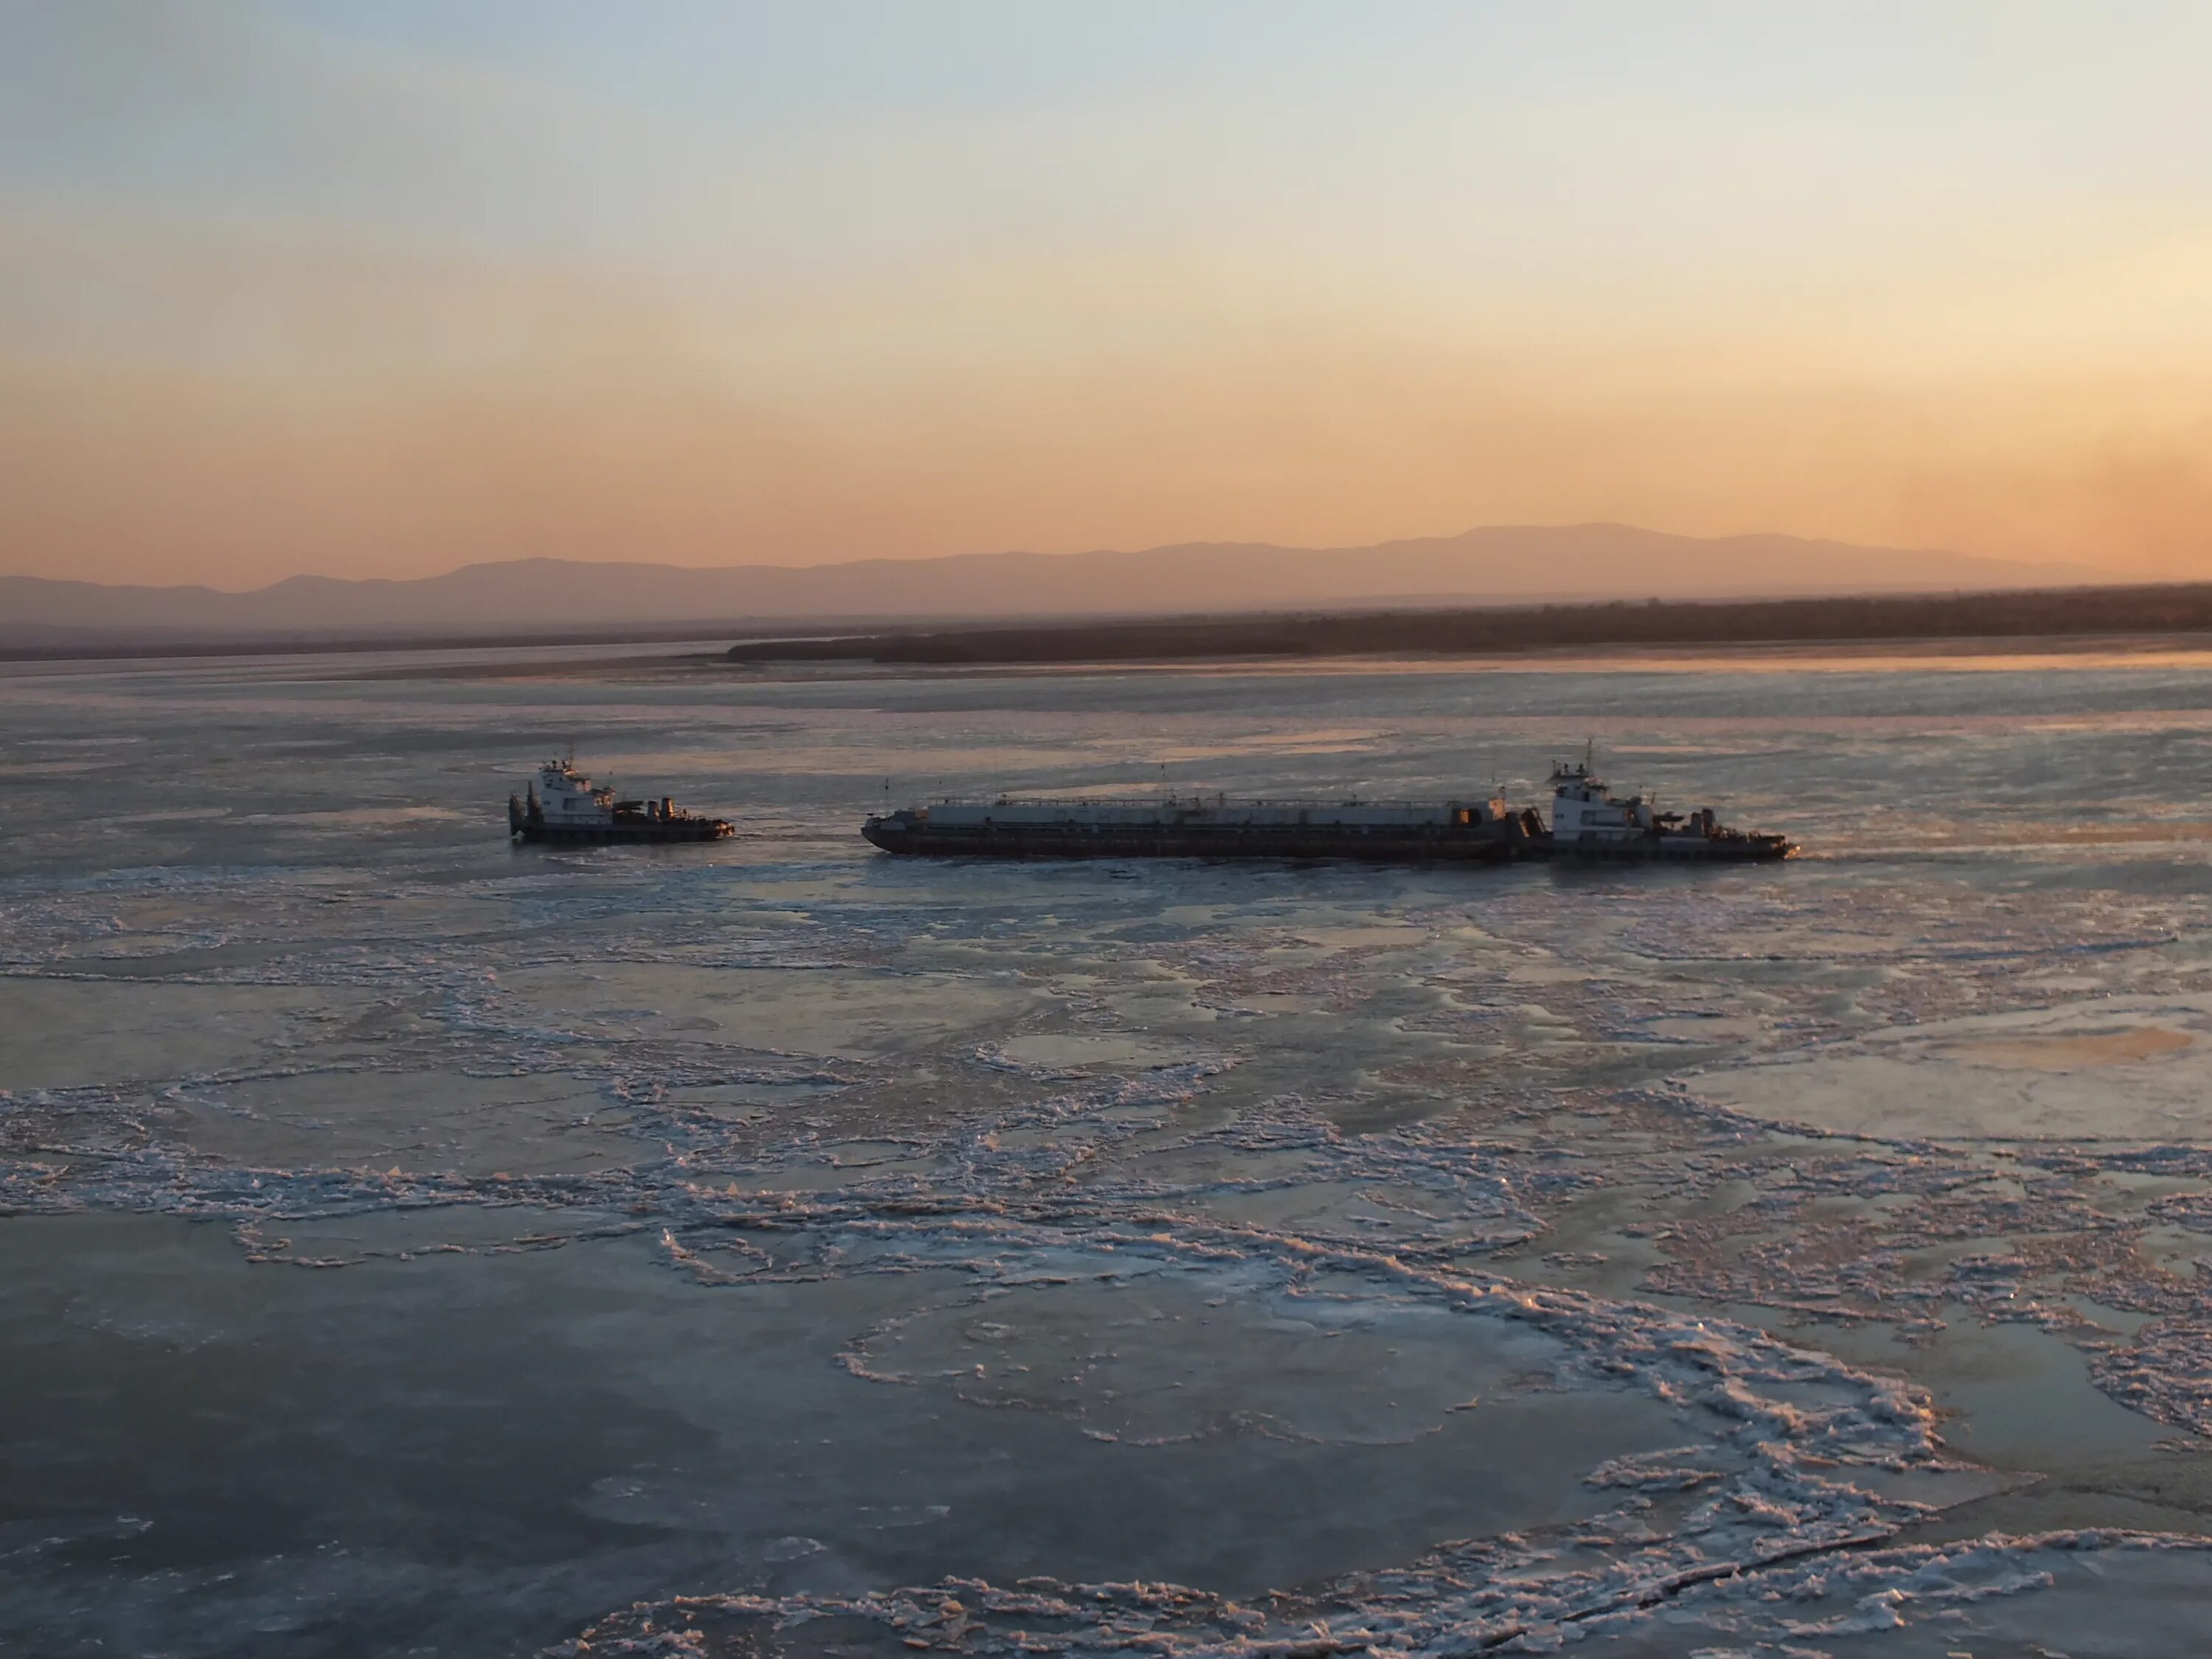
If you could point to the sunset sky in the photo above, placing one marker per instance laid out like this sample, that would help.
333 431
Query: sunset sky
383 288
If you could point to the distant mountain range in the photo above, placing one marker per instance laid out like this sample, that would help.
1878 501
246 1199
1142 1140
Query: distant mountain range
1504 563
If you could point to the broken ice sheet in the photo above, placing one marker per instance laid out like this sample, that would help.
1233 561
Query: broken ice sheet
779 1219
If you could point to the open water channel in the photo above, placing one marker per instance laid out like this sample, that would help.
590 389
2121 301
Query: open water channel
411 1242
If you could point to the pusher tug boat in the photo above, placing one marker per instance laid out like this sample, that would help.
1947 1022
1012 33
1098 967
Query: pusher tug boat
563 805
1587 823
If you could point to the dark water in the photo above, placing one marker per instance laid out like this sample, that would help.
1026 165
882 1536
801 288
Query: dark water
414 1243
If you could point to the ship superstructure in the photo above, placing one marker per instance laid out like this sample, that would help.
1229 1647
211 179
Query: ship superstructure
1588 821
563 805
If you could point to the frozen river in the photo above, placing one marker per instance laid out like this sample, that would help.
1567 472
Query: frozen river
415 1243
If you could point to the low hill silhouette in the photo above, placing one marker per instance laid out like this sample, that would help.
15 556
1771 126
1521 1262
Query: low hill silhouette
1497 564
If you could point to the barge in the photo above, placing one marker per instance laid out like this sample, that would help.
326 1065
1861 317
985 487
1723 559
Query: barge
1587 823
1445 832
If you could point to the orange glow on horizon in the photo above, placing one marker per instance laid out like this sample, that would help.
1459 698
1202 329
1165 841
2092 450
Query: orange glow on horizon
422 308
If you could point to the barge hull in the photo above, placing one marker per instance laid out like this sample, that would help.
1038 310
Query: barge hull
560 834
1168 842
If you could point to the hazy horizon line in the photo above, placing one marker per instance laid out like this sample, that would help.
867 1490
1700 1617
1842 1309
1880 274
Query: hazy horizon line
2119 574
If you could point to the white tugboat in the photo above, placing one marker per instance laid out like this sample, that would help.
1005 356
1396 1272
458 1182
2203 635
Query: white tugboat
563 805
1587 823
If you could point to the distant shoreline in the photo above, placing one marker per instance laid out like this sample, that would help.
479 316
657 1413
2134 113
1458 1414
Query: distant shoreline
2014 616
2044 621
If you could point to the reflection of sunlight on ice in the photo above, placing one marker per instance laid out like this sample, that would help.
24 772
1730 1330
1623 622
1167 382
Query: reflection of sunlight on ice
2096 1072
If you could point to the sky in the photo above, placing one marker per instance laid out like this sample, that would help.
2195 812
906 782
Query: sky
379 288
